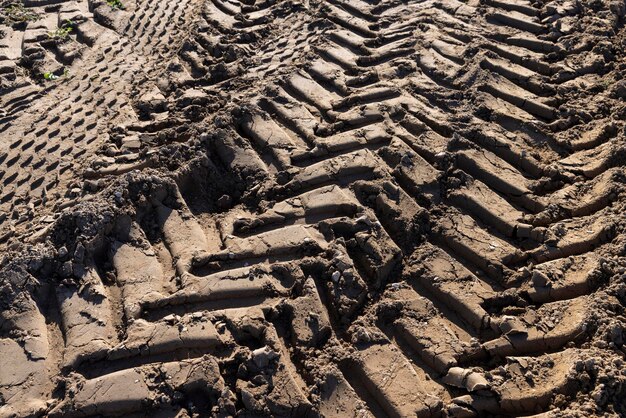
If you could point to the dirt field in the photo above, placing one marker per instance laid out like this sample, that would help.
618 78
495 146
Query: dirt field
347 208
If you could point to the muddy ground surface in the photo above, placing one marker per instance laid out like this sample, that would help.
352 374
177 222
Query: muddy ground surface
346 208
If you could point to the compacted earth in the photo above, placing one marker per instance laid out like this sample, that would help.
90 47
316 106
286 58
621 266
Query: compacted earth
312 208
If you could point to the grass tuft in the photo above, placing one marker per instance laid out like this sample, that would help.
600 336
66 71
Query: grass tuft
14 13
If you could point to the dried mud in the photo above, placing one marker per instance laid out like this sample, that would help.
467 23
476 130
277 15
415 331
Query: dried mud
347 208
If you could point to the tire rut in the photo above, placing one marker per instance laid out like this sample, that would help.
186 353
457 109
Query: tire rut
342 208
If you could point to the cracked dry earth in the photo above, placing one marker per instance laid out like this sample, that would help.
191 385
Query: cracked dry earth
338 208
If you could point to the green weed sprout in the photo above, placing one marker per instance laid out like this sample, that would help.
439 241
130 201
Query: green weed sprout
62 32
50 76
116 4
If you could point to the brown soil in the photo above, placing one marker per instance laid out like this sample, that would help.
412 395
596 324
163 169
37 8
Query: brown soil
347 208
